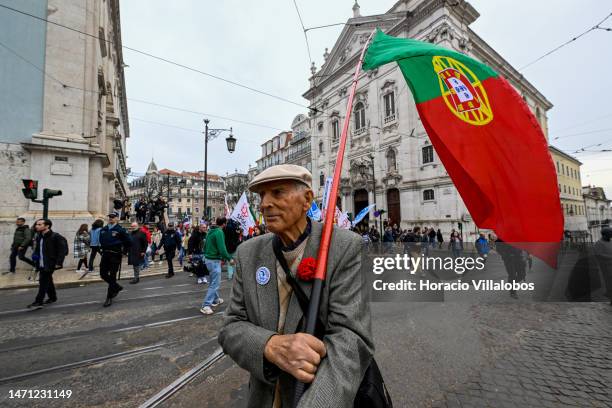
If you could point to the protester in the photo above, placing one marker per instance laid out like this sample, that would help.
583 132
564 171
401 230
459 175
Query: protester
81 249
513 261
482 246
114 242
456 244
603 253
388 239
138 250
215 251
195 250
94 242
233 236
432 237
170 241
147 233
261 323
50 251
22 239
425 242
156 236
440 238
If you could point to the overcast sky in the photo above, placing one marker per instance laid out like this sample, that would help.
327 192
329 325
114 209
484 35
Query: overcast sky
261 44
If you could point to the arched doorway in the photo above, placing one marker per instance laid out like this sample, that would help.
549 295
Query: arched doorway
360 200
393 206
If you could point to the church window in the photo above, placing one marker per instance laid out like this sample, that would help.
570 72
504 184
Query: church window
359 116
428 156
428 195
391 160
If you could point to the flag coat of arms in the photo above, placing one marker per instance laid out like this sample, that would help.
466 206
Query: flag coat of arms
490 143
242 214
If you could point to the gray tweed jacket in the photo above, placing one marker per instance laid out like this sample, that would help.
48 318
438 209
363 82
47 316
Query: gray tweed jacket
252 316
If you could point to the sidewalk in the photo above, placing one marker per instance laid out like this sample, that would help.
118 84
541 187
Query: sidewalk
68 277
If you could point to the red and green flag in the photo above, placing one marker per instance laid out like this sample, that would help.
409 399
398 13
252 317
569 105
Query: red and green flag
490 143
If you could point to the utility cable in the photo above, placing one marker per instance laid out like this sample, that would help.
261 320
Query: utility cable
595 27
166 60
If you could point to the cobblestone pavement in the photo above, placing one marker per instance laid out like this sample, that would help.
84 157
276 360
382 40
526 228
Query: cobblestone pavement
567 363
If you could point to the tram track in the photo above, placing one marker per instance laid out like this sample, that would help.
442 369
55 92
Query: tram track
86 362
178 384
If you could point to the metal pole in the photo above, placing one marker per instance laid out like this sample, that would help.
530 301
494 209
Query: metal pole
206 121
45 203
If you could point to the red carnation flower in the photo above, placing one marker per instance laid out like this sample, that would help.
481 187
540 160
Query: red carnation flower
306 269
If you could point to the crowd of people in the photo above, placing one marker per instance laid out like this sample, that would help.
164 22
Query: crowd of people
426 238
203 249
150 209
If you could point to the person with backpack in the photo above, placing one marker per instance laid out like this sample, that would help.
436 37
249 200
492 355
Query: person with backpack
51 249
22 239
114 242
171 241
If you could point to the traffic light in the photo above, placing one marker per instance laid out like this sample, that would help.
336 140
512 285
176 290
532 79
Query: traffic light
31 189
48 193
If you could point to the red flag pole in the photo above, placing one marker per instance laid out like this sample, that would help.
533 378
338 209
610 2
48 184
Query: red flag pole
321 266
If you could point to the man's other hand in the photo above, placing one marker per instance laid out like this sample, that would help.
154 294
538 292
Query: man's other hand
297 354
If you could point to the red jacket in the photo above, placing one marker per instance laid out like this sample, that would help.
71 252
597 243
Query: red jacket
147 233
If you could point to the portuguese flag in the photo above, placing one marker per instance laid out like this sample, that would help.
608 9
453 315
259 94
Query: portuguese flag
487 138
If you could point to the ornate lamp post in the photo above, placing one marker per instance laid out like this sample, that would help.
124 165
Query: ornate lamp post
210 134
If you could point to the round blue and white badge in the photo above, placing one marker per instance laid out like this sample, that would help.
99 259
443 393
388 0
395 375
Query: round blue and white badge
263 275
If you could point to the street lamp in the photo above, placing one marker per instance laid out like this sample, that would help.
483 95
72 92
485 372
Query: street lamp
210 134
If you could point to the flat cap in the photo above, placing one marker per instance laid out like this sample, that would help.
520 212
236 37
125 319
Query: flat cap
280 173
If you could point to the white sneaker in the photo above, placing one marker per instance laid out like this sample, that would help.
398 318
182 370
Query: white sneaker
199 280
204 280
206 310
217 303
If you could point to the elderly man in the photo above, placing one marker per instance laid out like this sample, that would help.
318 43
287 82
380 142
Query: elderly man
263 316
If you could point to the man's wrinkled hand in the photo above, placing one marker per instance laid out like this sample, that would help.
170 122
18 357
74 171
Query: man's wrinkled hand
297 354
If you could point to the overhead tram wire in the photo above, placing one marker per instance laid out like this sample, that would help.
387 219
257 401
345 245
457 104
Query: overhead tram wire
304 31
595 27
66 86
153 56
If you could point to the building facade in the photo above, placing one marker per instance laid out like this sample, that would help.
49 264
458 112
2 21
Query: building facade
64 120
300 146
389 159
235 184
598 210
570 194
184 192
274 151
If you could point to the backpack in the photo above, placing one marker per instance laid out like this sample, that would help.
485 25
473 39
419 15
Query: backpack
62 244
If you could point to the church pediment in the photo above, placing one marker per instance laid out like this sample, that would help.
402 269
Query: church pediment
351 41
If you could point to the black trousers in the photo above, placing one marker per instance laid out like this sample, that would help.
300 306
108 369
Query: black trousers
16 253
109 266
94 251
45 285
169 257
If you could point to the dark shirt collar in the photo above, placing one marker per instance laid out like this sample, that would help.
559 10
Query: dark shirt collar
300 239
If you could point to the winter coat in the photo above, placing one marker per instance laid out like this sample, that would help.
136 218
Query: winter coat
22 237
138 247
53 250
482 246
81 245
